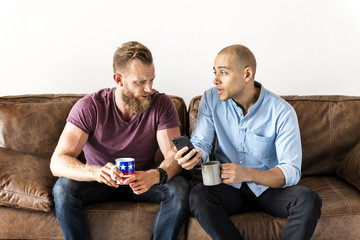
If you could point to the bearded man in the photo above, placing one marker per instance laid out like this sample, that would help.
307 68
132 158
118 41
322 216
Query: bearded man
131 120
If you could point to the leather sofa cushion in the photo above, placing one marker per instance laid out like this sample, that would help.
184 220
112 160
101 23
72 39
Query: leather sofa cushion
33 128
25 181
349 168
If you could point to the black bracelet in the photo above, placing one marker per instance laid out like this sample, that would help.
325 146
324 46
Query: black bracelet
163 176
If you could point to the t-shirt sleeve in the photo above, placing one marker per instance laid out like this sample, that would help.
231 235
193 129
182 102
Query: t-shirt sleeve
83 115
168 116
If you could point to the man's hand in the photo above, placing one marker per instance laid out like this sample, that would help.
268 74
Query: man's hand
143 181
185 162
233 173
104 175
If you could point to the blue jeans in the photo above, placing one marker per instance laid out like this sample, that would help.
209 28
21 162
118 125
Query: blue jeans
213 205
70 195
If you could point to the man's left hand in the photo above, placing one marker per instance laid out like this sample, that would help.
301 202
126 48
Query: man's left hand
143 181
233 173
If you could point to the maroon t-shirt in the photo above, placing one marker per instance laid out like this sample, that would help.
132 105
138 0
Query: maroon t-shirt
110 137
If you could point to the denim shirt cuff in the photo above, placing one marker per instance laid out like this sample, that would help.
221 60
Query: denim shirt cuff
290 173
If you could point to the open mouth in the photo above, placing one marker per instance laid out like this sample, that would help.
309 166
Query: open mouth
220 91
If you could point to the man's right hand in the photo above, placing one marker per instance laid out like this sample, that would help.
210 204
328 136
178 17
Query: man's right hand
185 162
104 175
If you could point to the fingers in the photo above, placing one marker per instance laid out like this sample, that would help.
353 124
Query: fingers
105 175
130 179
190 164
229 173
140 183
228 166
138 187
188 161
110 175
180 152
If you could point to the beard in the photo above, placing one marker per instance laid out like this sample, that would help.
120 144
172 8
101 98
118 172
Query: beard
132 101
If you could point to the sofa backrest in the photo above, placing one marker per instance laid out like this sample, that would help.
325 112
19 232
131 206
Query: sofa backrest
329 126
32 124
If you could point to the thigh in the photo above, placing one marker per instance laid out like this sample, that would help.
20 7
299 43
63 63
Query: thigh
231 199
177 186
87 192
279 201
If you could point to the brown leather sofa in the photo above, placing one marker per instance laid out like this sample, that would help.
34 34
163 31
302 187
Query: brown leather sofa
30 126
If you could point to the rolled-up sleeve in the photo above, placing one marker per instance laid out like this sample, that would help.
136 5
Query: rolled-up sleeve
288 148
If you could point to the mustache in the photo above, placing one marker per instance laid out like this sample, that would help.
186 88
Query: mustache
144 94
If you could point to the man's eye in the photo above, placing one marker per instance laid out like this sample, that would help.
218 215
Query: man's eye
215 73
223 73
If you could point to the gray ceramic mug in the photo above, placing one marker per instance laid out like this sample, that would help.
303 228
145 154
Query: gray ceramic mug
211 173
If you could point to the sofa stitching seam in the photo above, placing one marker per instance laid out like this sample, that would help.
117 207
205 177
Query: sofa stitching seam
23 194
340 194
24 206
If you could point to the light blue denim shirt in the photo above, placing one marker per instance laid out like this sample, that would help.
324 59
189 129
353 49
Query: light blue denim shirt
267 137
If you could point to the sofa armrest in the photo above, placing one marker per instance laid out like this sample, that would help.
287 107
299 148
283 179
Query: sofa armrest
349 168
25 181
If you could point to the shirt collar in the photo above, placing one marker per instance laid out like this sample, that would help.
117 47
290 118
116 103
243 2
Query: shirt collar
257 103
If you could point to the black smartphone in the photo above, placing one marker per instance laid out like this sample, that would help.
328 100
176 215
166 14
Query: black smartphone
183 141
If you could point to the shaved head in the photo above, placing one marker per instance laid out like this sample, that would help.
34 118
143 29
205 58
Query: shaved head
243 56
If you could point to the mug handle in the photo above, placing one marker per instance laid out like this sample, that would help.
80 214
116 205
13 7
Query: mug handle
112 172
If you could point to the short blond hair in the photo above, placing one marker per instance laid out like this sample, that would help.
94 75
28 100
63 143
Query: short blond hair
129 51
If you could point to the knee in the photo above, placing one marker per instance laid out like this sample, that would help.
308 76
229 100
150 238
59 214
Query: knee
311 201
196 197
179 189
61 191
315 202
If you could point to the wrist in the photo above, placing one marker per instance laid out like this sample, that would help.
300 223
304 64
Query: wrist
199 162
163 177
251 175
155 176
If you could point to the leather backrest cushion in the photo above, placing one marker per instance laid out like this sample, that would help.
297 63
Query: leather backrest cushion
314 123
33 128
193 112
25 181
329 127
182 112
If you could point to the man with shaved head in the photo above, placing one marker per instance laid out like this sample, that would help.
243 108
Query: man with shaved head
259 146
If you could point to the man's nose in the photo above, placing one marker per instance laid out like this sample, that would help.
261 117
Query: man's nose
148 87
216 80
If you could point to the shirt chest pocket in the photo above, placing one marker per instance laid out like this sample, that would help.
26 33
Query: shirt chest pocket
261 147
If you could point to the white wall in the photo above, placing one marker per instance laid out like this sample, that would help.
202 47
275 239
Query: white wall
302 47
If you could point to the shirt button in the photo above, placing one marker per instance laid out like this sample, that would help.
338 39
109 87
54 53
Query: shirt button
241 162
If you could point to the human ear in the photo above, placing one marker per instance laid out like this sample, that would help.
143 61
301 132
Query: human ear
248 73
118 78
